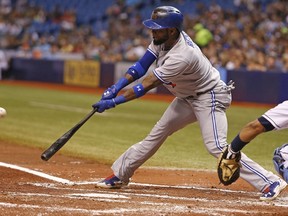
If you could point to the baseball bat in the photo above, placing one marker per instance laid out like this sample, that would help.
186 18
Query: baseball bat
59 143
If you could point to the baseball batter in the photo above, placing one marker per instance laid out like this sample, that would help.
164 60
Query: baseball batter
200 96
274 119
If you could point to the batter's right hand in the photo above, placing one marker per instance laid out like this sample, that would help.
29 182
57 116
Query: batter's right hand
110 93
103 105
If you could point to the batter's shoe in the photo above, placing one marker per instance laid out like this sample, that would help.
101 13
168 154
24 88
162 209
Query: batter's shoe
111 182
273 190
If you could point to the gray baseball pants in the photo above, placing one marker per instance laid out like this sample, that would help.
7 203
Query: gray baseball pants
209 110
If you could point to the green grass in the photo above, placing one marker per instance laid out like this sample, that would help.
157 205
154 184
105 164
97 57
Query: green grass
37 117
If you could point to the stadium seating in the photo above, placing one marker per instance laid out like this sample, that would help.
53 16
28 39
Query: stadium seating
92 12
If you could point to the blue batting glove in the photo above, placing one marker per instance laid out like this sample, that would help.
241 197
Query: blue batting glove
103 105
110 93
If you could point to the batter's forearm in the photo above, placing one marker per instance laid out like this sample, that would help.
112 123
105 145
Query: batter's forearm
122 82
138 90
131 94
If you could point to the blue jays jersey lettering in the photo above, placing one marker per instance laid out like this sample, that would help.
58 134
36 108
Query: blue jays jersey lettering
185 67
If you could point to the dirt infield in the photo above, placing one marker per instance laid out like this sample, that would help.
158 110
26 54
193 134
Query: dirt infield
66 186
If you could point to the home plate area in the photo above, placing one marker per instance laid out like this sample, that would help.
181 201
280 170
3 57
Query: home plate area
66 186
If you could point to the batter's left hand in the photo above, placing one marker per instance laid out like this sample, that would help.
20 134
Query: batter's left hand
103 105
110 93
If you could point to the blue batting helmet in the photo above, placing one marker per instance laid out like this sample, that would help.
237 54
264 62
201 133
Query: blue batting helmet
165 17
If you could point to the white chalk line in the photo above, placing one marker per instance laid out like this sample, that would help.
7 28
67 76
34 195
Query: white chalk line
173 186
51 185
37 173
175 209
157 207
75 210
281 201
107 196
247 201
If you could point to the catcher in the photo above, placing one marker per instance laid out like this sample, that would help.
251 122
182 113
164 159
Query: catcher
229 162
280 161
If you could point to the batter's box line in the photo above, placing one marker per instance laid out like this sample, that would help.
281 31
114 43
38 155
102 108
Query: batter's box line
37 173
68 182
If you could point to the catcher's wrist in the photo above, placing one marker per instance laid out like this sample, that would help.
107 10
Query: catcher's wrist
231 154
231 150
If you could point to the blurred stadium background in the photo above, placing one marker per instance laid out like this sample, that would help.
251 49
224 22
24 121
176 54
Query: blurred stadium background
92 42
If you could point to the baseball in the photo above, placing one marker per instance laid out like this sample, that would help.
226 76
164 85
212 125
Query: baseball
2 112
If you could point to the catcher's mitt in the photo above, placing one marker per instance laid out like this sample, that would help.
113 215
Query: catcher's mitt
228 169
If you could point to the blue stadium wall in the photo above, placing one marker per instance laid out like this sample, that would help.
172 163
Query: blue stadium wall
259 87
256 87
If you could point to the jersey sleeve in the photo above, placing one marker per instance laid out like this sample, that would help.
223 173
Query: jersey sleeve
154 49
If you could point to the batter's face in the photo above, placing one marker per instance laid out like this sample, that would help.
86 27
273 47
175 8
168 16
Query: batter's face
160 36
